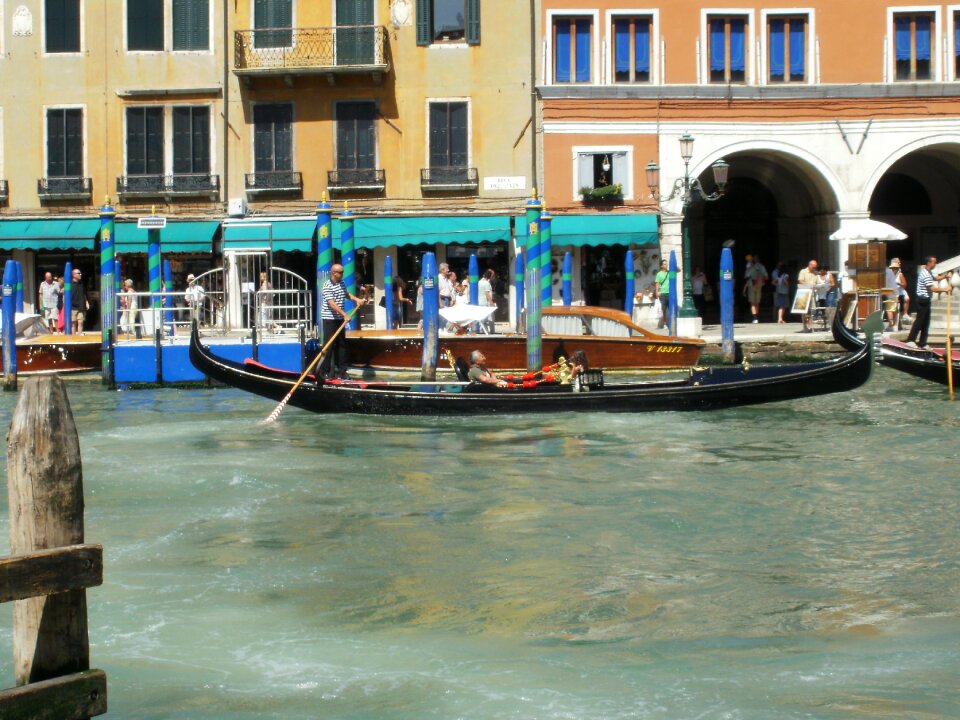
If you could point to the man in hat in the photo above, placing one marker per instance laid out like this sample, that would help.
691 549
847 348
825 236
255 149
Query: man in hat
194 297
755 278
897 282
927 283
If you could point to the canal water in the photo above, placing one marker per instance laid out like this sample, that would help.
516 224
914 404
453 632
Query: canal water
796 560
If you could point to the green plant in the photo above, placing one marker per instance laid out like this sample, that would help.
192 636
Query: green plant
604 192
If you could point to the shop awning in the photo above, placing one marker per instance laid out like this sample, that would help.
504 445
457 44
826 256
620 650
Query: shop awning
581 230
385 232
280 235
176 237
79 234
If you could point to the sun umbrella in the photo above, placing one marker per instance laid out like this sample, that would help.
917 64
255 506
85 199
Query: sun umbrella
863 230
466 314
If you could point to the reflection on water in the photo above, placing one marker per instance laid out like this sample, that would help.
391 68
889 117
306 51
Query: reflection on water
795 560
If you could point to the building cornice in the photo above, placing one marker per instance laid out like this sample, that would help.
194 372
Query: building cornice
750 92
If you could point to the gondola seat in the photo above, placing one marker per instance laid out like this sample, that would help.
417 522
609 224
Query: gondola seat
462 370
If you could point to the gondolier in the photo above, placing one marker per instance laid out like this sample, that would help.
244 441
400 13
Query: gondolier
332 298
926 283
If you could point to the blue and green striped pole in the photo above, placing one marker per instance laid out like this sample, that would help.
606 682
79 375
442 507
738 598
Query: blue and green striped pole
567 279
546 256
388 290
672 285
473 272
108 289
534 331
518 289
68 299
349 259
153 274
324 255
18 291
429 281
630 283
167 297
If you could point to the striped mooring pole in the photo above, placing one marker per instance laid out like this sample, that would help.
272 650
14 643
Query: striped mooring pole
324 255
349 259
108 290
534 330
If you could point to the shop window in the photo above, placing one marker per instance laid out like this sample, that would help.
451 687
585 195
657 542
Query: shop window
913 46
440 21
272 138
145 141
787 43
273 23
597 169
191 140
572 41
191 24
728 48
65 143
145 25
61 24
632 49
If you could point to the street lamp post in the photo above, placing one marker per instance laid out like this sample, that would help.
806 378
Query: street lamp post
684 188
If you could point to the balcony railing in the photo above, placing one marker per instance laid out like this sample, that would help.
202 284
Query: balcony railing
275 181
356 180
345 49
64 188
449 178
177 185
4 191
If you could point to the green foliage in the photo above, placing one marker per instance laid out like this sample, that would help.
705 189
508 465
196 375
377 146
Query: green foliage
604 192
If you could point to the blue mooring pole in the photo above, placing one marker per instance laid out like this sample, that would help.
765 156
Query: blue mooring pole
726 306
68 299
9 338
567 279
532 286
108 291
324 255
348 258
431 316
473 271
672 285
18 292
388 291
546 258
630 284
518 289
167 297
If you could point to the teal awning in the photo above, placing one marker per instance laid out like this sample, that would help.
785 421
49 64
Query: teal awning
176 237
388 231
280 235
581 230
77 234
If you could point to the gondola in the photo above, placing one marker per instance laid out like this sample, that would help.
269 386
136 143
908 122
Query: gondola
702 388
926 364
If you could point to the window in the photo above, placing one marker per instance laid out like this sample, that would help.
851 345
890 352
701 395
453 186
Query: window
65 143
448 134
600 167
728 49
356 135
631 49
272 138
191 24
62 25
913 51
572 40
145 141
788 49
145 25
273 20
441 21
191 140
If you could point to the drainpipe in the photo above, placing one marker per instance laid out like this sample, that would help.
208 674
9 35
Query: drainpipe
226 104
533 92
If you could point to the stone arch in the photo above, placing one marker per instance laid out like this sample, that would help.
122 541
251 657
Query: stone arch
894 156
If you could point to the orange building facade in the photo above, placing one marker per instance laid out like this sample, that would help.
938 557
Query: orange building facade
826 113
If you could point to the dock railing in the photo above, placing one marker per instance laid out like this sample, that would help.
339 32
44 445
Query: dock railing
50 567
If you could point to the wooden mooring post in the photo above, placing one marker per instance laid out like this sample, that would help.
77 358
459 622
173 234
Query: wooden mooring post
47 575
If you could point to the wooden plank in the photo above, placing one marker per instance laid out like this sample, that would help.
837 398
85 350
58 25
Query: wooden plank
47 572
70 697
45 486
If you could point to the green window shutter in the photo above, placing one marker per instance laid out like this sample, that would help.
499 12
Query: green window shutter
200 128
73 134
62 25
473 22
424 22
458 135
144 24
191 24
136 142
181 141
439 134
154 136
55 167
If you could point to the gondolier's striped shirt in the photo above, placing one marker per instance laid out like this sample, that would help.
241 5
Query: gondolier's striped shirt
924 283
335 291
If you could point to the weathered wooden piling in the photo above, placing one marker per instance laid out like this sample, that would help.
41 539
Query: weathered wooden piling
50 568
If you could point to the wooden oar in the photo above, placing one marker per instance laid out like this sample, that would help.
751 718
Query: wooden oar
283 403
949 354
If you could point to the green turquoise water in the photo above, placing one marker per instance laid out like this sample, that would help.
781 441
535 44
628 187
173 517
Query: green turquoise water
796 560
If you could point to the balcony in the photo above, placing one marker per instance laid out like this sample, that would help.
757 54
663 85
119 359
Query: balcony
64 188
4 191
330 51
274 182
169 186
445 179
343 181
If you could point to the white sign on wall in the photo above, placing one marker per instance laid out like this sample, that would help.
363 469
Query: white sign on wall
518 182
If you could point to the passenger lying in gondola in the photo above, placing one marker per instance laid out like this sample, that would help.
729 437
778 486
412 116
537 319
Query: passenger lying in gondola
578 364
479 373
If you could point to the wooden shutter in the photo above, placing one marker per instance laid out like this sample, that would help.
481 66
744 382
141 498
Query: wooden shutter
182 156
154 137
459 140
283 137
262 138
136 142
473 22
439 135
191 24
145 24
346 136
62 25
55 141
200 129
366 136
73 135
424 22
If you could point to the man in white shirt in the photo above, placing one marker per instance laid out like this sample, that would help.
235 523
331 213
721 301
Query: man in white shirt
49 298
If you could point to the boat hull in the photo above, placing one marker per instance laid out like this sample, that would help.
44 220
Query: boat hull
50 354
702 389
403 350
